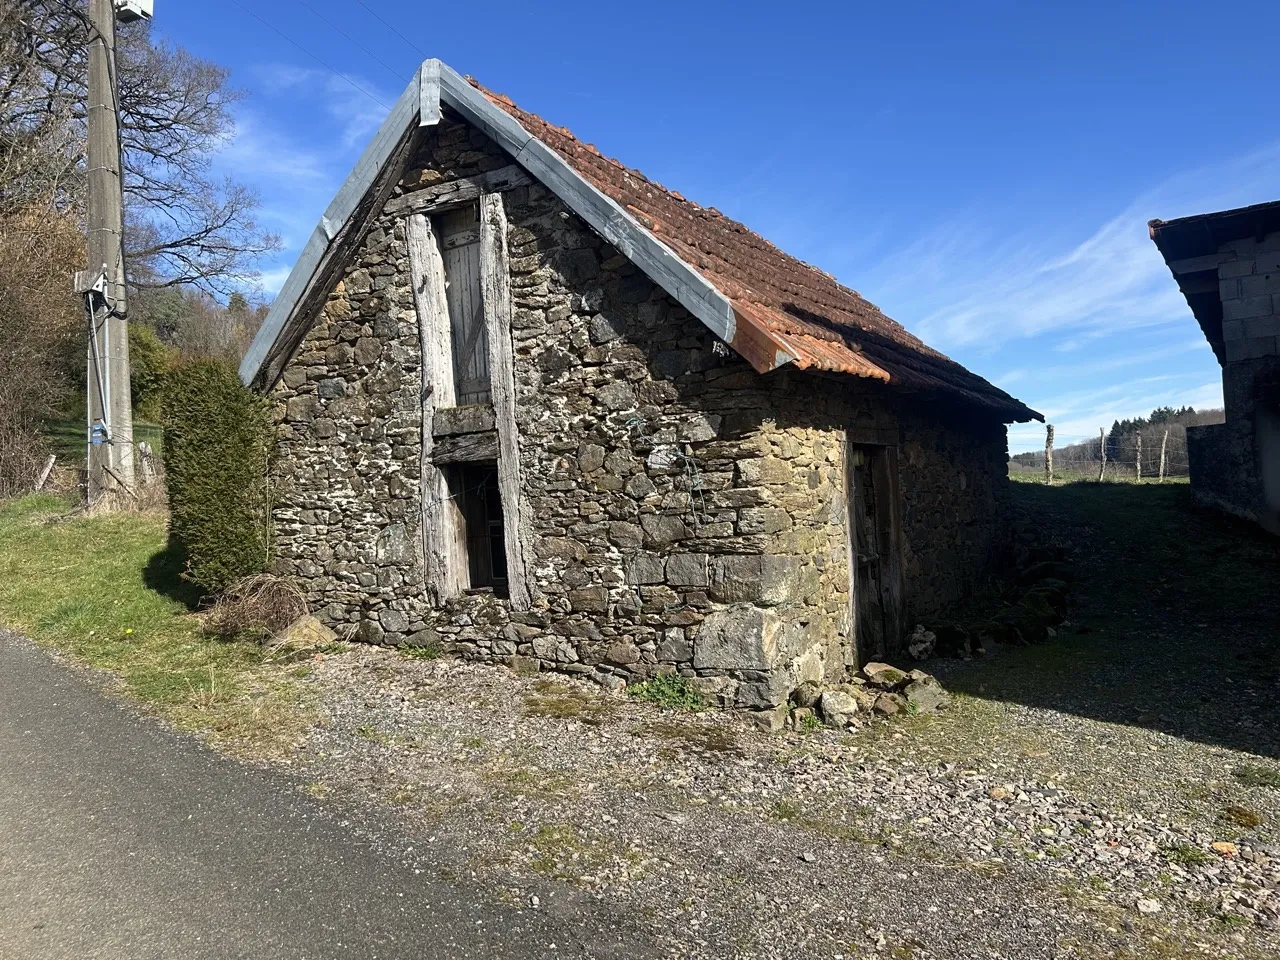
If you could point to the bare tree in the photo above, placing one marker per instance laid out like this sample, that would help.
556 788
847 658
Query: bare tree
183 226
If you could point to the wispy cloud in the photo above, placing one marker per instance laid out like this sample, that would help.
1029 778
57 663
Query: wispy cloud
351 111
1087 329
964 287
297 165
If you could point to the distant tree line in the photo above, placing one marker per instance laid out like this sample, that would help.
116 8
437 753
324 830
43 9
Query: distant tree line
1122 445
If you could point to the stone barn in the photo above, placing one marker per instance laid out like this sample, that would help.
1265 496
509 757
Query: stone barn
537 409
1227 265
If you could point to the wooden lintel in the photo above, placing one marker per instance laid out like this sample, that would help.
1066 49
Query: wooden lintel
441 196
466 448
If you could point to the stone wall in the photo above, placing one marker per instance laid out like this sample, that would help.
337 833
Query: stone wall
685 513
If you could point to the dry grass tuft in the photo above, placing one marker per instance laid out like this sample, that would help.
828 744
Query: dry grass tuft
255 608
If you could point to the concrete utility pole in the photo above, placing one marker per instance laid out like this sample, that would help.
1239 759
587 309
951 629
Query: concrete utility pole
110 409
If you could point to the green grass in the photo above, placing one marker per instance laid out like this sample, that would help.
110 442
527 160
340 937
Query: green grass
675 692
104 590
1186 855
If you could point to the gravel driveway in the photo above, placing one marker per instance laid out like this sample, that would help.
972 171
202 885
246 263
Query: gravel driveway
1112 793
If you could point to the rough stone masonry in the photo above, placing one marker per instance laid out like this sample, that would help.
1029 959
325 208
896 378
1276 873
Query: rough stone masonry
685 514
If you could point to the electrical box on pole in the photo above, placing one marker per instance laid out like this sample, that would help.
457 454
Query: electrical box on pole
128 11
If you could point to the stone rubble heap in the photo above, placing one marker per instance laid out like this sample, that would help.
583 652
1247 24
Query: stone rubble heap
879 690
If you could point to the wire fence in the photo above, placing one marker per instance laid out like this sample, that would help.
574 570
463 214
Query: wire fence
1156 455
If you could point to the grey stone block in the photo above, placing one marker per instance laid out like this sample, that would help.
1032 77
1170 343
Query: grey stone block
1235 268
675 647
589 599
1254 349
606 329
687 570
662 529
393 621
1267 262
736 579
645 569
393 545
739 638
1259 285
1232 329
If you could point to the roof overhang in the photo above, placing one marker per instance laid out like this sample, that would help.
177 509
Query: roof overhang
1192 248
436 85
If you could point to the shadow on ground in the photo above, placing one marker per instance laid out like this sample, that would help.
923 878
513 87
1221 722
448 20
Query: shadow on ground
163 574
1174 622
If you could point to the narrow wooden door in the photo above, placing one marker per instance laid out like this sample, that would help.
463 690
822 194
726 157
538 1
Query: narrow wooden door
460 246
870 618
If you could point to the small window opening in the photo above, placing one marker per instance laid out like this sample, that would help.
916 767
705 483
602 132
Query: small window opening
474 487
460 248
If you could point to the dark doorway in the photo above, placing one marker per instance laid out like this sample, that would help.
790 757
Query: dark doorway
475 490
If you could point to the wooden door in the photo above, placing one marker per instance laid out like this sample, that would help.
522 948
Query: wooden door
460 247
870 622
875 553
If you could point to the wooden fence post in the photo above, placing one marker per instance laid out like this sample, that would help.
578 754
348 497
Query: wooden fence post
1048 454
44 474
1139 474
1102 452
1164 446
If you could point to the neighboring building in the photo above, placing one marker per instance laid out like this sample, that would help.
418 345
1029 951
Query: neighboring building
1228 267
533 405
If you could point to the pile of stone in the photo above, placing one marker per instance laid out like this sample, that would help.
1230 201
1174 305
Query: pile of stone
879 691
1039 611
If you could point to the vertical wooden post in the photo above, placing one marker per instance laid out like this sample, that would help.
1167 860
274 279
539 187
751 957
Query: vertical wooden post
1102 452
1164 447
444 560
495 292
1048 454
1139 471
44 474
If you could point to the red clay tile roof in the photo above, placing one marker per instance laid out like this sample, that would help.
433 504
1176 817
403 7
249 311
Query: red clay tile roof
797 307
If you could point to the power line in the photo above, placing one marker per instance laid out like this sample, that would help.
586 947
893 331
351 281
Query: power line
289 39
391 28
342 33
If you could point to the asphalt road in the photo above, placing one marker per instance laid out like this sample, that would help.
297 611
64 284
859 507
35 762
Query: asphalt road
120 839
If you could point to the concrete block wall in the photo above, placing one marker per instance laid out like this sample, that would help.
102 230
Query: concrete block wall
1249 285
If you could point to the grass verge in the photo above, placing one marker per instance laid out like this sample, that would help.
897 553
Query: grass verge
105 591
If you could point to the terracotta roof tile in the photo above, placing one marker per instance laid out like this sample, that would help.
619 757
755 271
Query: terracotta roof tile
790 304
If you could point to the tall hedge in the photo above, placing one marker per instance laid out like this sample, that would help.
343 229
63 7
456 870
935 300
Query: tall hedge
218 444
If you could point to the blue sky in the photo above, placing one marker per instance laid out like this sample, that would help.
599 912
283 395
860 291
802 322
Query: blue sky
981 171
